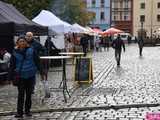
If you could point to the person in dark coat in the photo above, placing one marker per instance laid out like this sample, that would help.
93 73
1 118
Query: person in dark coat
24 61
117 45
84 43
38 48
49 45
140 45
106 43
52 50
129 39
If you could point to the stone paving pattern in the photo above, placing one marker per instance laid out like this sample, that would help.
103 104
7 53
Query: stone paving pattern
135 82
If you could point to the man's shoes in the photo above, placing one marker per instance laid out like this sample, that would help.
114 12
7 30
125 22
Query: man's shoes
118 64
18 116
32 91
28 114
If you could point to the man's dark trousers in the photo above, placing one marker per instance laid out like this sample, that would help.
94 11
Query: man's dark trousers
118 56
24 95
140 50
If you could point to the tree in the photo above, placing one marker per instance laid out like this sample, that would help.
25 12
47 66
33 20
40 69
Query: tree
76 12
30 8
73 11
69 10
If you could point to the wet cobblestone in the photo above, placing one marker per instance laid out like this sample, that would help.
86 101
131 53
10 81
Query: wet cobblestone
135 82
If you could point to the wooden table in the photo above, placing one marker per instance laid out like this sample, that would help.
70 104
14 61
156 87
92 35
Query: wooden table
64 83
72 53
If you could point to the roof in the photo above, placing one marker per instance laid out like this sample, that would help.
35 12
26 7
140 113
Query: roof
13 22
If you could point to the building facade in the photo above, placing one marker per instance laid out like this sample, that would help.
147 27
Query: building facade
146 16
122 15
101 8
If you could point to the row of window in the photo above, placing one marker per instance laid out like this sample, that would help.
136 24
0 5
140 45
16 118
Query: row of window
143 5
102 16
123 4
94 3
142 18
126 17
123 16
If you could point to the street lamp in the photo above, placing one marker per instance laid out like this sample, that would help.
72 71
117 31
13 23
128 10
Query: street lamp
151 18
141 29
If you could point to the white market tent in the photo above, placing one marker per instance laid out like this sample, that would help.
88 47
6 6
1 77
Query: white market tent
55 24
79 29
91 31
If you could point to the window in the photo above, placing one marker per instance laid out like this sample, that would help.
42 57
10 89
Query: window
114 4
142 5
115 16
158 5
102 15
93 3
102 3
142 18
158 18
126 16
126 4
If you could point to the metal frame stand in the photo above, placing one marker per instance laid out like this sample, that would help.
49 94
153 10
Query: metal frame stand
64 81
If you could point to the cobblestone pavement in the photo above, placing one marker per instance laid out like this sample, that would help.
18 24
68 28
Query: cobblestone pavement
135 82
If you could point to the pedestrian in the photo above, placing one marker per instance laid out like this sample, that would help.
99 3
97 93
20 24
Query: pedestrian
117 44
69 45
38 48
106 43
140 45
97 43
24 61
101 43
84 43
49 45
129 39
5 61
6 55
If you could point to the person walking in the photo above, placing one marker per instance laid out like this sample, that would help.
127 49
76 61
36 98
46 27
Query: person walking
25 62
117 45
84 43
106 43
140 45
97 43
101 43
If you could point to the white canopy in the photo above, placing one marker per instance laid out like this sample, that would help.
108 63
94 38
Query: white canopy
47 18
91 31
79 29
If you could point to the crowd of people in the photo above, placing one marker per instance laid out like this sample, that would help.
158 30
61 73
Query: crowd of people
25 60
